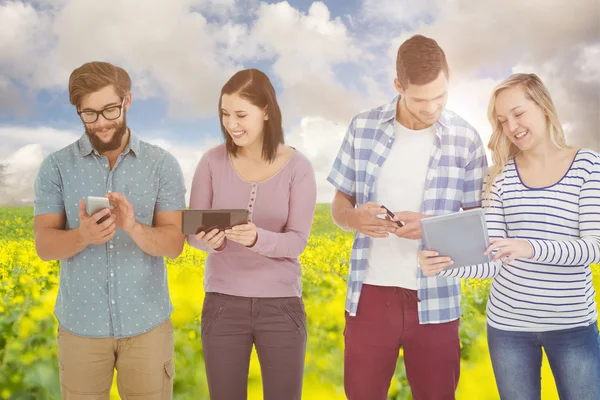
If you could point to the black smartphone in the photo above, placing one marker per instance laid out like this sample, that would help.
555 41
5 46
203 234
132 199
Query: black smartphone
391 215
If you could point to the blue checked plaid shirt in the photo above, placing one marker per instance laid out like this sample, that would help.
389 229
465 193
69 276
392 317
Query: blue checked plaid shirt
454 180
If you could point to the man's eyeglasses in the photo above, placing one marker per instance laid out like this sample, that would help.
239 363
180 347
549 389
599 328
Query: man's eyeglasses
109 113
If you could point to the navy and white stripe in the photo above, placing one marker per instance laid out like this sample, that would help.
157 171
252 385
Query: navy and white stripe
552 290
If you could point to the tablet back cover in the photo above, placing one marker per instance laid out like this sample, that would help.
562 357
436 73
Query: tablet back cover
461 236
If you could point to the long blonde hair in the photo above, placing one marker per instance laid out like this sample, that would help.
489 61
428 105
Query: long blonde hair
500 145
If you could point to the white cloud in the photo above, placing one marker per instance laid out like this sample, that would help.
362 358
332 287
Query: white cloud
19 174
469 98
50 139
404 12
187 156
305 48
27 147
183 51
486 37
173 51
319 139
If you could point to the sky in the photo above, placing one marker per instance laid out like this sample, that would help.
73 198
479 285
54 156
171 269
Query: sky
328 60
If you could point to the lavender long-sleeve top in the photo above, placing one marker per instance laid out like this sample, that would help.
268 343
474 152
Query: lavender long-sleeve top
282 208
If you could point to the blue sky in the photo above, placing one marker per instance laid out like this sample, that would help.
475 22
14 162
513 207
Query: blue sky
51 106
328 61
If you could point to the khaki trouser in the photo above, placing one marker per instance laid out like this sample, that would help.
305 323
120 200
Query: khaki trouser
144 364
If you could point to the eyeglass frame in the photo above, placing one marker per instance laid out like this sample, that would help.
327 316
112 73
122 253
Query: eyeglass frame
120 107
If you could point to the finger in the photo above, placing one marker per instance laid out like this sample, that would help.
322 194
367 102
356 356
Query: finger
243 227
404 215
200 235
434 272
100 214
109 233
210 235
381 222
370 204
108 225
82 210
502 253
509 259
236 237
379 228
219 243
376 210
113 198
217 238
404 231
494 246
118 198
428 253
438 262
376 234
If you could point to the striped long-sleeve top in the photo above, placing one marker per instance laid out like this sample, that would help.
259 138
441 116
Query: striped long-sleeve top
552 290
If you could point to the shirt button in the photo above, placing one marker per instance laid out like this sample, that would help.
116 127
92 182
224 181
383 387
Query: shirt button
112 274
106 165
111 246
112 301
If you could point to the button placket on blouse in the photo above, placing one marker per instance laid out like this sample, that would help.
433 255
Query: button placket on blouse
252 201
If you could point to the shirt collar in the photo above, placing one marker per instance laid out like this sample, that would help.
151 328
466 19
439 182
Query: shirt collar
389 114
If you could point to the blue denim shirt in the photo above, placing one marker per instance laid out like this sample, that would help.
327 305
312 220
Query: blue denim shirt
114 289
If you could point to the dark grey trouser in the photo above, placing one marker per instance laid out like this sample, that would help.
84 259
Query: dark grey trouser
231 325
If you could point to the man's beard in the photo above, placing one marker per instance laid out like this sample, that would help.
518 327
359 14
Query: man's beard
114 143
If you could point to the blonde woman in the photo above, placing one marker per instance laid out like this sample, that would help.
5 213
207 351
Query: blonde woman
543 210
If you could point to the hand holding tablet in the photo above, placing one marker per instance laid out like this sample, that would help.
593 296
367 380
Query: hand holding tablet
454 240
196 221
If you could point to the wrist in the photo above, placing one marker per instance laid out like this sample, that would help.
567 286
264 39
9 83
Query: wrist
81 239
349 218
530 249
135 227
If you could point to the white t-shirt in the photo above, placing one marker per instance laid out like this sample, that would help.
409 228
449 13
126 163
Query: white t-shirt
400 186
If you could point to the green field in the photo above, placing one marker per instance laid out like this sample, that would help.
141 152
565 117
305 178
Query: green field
28 329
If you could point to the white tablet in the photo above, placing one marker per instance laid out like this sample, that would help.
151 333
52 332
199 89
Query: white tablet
462 236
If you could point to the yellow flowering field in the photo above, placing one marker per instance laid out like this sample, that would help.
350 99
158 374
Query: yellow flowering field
28 286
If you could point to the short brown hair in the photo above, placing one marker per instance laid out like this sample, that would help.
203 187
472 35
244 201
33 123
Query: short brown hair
254 86
95 75
420 61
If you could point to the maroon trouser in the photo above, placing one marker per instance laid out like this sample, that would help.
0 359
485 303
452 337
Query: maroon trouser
387 319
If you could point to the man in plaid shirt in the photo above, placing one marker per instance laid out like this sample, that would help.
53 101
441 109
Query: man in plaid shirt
418 159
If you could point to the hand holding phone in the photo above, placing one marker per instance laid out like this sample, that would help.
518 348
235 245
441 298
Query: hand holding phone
392 216
96 204
91 230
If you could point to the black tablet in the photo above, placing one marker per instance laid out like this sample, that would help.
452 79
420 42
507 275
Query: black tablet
196 221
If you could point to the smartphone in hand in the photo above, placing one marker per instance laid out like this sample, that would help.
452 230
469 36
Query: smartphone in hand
391 215
95 204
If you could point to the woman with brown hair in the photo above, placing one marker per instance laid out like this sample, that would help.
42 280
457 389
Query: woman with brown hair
252 273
